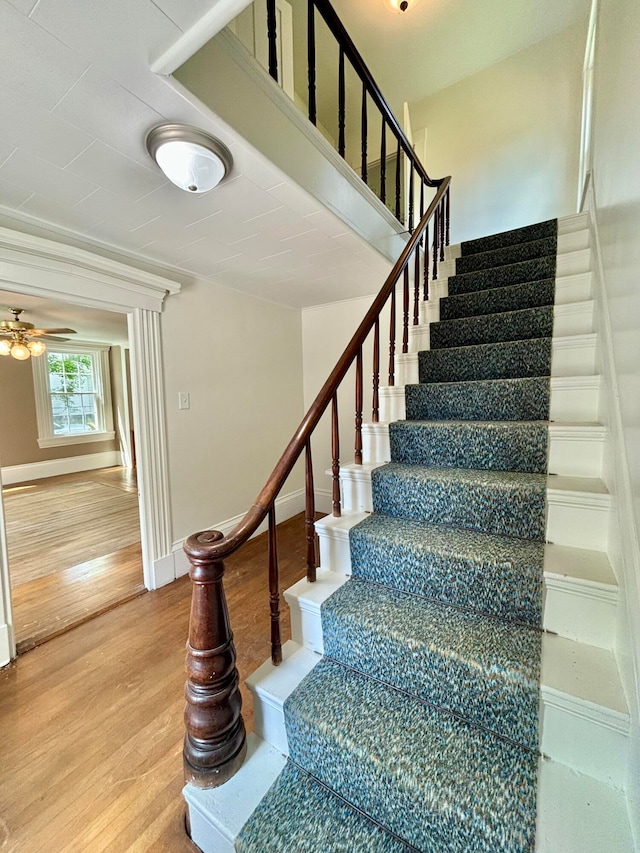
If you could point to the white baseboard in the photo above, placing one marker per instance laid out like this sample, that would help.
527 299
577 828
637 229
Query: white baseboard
54 467
286 507
5 645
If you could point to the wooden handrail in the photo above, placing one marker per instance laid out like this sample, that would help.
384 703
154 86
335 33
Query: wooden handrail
215 741
221 548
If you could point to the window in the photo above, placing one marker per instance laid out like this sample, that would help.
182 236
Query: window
73 399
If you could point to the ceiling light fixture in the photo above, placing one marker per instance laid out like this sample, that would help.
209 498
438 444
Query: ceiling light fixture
400 5
16 337
192 159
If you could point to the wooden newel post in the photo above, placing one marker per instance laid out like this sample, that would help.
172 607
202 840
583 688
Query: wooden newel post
215 740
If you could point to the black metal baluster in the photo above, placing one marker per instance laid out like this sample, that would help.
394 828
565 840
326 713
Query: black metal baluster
311 58
398 183
447 202
383 163
342 103
363 136
375 403
436 232
272 36
411 199
274 590
416 284
405 309
425 292
392 338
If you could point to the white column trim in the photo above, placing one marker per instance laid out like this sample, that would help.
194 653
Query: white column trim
41 267
151 447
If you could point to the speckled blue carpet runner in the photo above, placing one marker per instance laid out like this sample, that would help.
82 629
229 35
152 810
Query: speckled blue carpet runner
418 730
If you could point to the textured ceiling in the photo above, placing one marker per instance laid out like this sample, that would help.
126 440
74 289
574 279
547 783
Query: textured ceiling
78 98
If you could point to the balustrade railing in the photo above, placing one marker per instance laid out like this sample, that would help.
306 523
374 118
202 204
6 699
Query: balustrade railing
215 739
406 161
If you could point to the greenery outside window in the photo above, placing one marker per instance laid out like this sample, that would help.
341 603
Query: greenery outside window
72 391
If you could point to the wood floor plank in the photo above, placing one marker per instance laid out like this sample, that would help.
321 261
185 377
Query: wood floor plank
52 524
91 722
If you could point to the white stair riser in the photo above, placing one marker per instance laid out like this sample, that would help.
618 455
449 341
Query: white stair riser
570 287
216 815
576 520
574 355
568 240
572 399
574 454
392 403
407 368
572 319
306 625
583 743
570 733
580 521
375 443
268 718
579 612
573 609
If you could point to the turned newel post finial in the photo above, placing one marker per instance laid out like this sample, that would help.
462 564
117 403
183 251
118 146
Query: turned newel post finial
215 740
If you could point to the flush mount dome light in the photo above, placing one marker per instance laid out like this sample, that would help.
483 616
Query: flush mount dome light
192 159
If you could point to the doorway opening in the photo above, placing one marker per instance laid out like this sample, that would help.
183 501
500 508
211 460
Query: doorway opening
68 471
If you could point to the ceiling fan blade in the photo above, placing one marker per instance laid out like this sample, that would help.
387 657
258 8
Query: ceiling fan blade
52 338
40 332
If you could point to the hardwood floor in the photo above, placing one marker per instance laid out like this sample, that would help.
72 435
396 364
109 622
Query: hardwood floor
91 722
49 524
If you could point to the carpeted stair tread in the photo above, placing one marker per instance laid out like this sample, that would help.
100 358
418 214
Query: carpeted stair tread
498 575
506 503
298 815
538 231
502 276
507 255
493 328
484 670
504 360
493 399
431 778
513 297
495 445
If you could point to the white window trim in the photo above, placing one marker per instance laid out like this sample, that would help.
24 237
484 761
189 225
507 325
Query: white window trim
46 437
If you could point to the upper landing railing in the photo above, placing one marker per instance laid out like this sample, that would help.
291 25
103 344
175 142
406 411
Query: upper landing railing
215 742
399 168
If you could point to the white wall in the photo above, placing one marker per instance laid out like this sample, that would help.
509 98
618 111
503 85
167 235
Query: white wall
326 330
616 173
240 359
509 136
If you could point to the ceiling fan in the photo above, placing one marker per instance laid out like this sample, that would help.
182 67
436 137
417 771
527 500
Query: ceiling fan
16 337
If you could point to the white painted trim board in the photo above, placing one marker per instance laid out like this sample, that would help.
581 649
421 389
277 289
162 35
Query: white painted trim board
55 467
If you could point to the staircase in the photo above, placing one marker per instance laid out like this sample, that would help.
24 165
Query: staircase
451 684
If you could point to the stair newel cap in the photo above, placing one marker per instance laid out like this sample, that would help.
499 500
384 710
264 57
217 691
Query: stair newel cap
202 552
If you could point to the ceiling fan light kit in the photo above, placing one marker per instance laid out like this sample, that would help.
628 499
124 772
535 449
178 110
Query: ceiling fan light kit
192 159
16 337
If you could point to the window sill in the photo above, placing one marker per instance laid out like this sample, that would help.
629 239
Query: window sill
81 438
